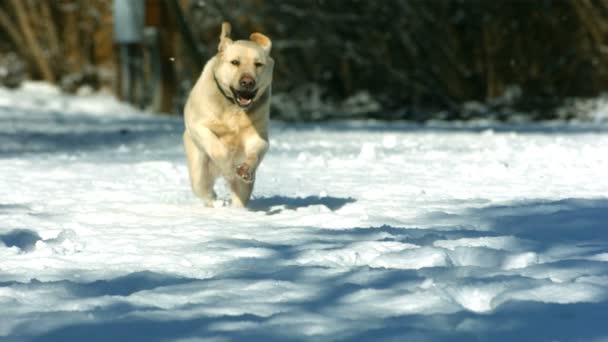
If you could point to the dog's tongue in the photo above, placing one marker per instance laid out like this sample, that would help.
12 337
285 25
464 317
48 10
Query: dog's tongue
244 102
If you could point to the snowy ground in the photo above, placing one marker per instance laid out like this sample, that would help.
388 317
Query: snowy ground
358 231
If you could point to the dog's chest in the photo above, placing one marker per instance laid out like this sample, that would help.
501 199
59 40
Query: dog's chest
231 128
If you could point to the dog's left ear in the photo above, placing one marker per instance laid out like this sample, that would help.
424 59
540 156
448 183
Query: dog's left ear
262 41
225 36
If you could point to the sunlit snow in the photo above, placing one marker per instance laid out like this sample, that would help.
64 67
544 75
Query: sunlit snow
357 231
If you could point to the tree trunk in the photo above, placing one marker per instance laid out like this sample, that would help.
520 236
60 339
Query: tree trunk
32 43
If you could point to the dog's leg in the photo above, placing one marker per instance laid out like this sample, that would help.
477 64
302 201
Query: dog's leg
206 141
255 149
241 192
202 175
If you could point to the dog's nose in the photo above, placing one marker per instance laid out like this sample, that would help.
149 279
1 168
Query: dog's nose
247 82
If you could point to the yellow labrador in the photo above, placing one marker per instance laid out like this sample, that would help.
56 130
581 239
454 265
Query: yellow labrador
226 117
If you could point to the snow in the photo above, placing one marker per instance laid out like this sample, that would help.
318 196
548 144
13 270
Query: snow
357 231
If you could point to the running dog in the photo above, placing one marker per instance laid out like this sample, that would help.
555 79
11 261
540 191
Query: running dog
226 117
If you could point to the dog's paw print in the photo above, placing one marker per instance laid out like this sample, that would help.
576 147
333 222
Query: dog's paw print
245 173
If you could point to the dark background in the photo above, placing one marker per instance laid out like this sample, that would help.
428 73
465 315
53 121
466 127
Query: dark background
413 60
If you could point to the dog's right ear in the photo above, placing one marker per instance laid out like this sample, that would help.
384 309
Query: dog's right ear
225 36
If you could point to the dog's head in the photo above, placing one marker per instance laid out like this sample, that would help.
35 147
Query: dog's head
243 69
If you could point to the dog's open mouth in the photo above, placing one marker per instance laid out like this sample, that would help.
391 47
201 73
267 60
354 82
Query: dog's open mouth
243 98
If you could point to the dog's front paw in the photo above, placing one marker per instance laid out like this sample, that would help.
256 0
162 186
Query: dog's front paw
245 173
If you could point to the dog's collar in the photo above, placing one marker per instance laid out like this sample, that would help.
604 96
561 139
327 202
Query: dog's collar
217 83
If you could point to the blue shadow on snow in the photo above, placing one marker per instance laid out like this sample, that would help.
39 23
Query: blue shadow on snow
547 224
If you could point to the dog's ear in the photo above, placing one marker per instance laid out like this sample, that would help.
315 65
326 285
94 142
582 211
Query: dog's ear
225 36
262 41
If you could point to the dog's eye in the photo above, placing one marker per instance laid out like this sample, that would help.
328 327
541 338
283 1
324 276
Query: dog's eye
258 64
235 62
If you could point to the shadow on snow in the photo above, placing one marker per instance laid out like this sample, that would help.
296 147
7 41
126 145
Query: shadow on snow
578 222
556 127
276 204
24 239
39 131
